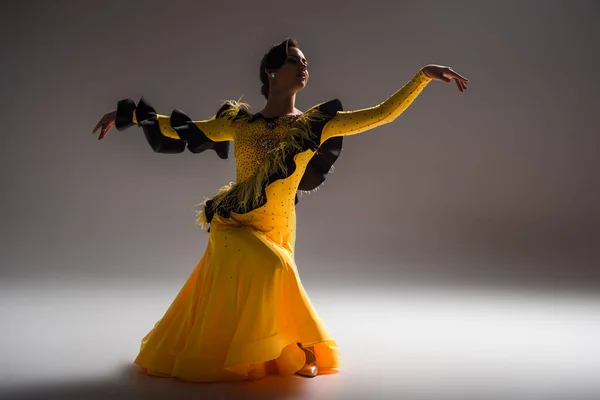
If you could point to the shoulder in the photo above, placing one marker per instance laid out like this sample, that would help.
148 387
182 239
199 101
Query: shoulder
333 105
326 109
233 110
323 112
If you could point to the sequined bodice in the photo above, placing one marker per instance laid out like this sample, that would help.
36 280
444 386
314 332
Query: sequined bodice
253 141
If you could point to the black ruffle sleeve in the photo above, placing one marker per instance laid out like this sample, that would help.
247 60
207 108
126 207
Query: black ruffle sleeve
326 154
191 136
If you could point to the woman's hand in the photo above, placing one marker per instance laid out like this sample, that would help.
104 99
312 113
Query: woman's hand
107 122
445 74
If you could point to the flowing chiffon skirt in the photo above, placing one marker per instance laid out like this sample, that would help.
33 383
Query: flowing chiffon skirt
240 314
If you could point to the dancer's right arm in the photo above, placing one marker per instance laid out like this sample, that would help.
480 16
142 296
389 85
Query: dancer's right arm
169 134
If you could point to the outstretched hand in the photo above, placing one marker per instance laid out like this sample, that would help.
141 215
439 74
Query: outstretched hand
446 75
107 122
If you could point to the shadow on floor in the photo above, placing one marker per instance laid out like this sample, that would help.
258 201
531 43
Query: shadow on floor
132 383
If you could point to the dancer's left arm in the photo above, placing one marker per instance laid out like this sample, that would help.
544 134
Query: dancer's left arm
353 122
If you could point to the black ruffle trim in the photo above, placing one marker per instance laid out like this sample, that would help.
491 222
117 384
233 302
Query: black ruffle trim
196 140
316 170
124 117
327 154
191 135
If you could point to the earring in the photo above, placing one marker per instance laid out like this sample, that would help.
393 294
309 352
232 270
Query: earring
272 75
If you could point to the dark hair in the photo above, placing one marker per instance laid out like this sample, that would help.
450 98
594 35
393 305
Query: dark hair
274 59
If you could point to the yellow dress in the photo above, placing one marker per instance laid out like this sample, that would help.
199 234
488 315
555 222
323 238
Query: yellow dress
243 310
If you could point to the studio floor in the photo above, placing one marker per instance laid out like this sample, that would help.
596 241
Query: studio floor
76 339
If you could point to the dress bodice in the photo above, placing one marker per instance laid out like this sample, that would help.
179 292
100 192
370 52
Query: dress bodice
254 142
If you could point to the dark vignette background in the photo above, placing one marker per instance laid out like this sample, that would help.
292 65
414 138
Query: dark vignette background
498 185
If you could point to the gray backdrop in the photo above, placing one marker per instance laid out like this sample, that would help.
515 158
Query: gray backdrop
496 185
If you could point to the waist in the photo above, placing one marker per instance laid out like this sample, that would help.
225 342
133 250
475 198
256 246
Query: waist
264 215
277 229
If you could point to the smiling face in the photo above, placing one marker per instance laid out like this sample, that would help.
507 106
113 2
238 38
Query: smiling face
292 75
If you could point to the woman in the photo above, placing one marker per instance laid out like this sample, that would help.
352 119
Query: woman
243 312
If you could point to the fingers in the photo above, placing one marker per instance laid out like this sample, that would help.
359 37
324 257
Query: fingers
461 82
98 126
458 85
454 74
462 86
103 123
105 128
447 74
102 131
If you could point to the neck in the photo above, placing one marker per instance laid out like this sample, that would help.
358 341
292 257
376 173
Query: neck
279 104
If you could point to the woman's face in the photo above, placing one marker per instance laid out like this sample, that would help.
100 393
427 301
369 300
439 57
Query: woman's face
293 74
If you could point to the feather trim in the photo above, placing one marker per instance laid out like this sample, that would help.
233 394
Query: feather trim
242 197
234 110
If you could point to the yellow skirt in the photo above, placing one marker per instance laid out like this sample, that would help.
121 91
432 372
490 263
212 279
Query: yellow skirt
240 315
